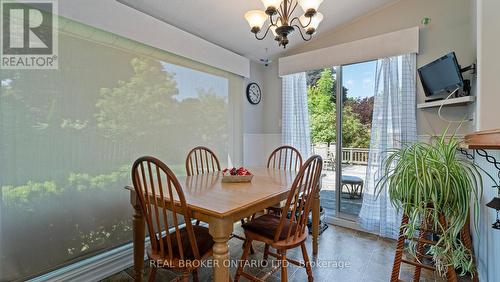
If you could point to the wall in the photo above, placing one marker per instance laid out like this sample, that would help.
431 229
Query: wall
262 122
451 29
488 63
253 115
487 244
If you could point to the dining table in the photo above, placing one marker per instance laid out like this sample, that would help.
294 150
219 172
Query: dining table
220 205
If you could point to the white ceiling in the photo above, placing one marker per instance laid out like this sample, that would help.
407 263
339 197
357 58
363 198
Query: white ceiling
222 21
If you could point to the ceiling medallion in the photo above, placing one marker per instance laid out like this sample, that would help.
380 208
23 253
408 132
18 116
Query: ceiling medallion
282 24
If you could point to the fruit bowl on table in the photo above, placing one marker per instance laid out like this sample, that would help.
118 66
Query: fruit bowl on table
236 175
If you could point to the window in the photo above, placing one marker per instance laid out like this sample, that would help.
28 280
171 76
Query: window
69 137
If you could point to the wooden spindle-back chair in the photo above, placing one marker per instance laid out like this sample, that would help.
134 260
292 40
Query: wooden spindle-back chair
174 240
290 229
286 158
201 160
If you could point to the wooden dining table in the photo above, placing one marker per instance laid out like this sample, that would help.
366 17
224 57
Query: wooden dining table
221 205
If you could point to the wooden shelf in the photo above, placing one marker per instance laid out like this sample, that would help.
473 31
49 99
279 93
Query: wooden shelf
450 102
488 139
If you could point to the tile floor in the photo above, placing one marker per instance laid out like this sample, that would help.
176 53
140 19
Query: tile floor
365 257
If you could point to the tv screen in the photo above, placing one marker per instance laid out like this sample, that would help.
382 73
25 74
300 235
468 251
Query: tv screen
441 75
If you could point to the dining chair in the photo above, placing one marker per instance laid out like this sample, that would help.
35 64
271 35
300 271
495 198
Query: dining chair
201 160
284 158
289 230
175 243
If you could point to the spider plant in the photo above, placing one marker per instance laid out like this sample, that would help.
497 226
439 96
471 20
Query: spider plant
428 180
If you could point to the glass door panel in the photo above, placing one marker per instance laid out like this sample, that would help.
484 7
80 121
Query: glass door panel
322 118
357 109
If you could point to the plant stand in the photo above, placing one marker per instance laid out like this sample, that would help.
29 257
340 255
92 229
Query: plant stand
422 241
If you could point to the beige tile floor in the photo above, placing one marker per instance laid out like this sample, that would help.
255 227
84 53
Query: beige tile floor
366 257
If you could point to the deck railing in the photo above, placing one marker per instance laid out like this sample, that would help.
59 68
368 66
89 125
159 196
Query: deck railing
358 156
355 156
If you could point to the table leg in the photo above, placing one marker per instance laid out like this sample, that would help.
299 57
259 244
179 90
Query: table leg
315 222
139 235
221 229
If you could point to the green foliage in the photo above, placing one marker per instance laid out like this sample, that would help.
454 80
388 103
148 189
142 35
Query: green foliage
145 99
24 194
322 113
84 181
426 180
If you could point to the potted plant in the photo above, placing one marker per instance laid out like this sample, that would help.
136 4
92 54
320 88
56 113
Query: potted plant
430 179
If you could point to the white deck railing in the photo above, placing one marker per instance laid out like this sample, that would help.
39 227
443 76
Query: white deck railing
357 156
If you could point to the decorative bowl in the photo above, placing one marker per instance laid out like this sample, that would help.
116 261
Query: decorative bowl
237 178
236 175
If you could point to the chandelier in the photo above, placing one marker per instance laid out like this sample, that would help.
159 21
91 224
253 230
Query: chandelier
281 23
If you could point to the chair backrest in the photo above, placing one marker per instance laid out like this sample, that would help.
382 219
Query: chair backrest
201 160
163 206
300 200
285 157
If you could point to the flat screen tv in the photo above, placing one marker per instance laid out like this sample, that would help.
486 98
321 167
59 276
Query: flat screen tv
441 75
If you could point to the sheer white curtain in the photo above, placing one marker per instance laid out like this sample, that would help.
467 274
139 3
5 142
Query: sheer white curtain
295 115
394 123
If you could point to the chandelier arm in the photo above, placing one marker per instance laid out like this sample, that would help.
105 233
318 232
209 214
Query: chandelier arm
300 23
293 9
302 35
265 34
279 14
280 10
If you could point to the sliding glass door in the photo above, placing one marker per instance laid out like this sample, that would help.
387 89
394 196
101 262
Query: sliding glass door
340 132
354 146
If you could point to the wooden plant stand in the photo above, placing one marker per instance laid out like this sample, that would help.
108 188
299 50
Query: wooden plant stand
422 240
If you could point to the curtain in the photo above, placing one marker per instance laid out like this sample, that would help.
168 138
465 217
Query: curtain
295 115
394 124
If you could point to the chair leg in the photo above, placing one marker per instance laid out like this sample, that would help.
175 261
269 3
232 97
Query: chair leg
266 252
283 264
152 274
195 276
185 276
244 256
306 262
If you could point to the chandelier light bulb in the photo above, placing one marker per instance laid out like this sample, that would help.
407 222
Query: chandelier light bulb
310 6
256 19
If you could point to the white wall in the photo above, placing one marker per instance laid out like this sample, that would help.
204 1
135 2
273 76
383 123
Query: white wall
261 123
488 32
487 244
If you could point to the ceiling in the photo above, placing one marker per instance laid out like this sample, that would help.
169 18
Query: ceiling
222 21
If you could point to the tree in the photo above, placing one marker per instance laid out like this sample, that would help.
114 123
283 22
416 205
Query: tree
315 75
322 112
136 106
364 108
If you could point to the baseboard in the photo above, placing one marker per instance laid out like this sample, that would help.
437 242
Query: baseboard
97 267
93 269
